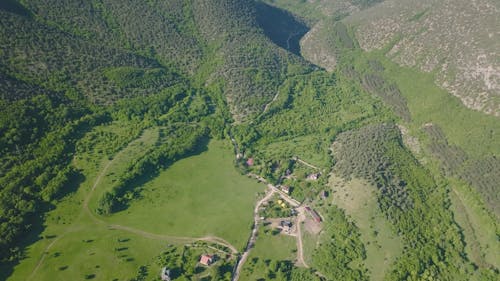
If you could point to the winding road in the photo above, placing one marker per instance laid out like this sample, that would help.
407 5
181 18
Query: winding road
253 235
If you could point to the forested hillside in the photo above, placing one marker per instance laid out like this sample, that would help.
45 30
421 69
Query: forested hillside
100 99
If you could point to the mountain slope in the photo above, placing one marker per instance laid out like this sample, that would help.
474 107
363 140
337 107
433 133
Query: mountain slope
458 40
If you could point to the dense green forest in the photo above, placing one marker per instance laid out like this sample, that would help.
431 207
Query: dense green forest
220 69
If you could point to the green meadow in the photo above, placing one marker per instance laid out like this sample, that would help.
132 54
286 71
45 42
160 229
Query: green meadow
198 196
359 201
202 195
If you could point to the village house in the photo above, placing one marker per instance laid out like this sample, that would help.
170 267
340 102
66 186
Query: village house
206 260
250 162
313 176
286 225
285 189
165 274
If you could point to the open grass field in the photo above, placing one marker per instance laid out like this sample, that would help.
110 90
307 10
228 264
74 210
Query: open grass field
268 247
202 195
77 245
359 201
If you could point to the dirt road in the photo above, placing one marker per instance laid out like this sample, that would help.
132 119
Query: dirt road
253 235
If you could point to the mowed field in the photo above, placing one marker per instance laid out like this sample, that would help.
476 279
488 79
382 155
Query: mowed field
77 244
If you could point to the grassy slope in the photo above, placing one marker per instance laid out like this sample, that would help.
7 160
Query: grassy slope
197 196
84 246
476 133
359 201
71 227
479 228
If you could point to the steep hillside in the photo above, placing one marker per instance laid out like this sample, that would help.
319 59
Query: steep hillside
251 66
213 41
44 55
457 40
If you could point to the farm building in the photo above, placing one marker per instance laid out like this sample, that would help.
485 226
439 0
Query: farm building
324 194
165 274
285 189
206 260
286 225
313 176
314 214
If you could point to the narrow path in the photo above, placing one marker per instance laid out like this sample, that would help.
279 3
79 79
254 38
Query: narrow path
300 248
253 235
142 233
296 158
273 100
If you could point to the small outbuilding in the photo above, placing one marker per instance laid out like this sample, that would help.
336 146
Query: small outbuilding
285 189
206 260
324 194
313 176
165 274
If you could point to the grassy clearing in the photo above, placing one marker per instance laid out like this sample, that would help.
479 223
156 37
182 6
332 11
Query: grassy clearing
123 161
215 200
197 196
359 201
268 247
79 246
479 227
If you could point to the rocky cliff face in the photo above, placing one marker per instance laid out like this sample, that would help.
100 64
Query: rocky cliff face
458 40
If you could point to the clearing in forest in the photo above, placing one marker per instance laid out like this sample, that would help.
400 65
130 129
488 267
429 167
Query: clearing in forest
359 201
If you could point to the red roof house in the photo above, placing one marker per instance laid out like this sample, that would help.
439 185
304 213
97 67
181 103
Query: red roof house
250 162
206 260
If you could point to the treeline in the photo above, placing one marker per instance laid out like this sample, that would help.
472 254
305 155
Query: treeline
37 138
411 200
482 173
364 153
182 141
61 62
219 42
340 253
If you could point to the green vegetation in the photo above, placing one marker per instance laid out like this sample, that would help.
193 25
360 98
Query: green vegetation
340 252
382 245
183 263
272 259
197 196
119 119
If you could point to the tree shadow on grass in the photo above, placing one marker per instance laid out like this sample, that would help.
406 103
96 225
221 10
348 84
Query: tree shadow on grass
135 186
36 222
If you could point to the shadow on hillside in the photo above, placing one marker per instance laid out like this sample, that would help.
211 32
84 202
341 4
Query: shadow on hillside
281 27
37 226
13 6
